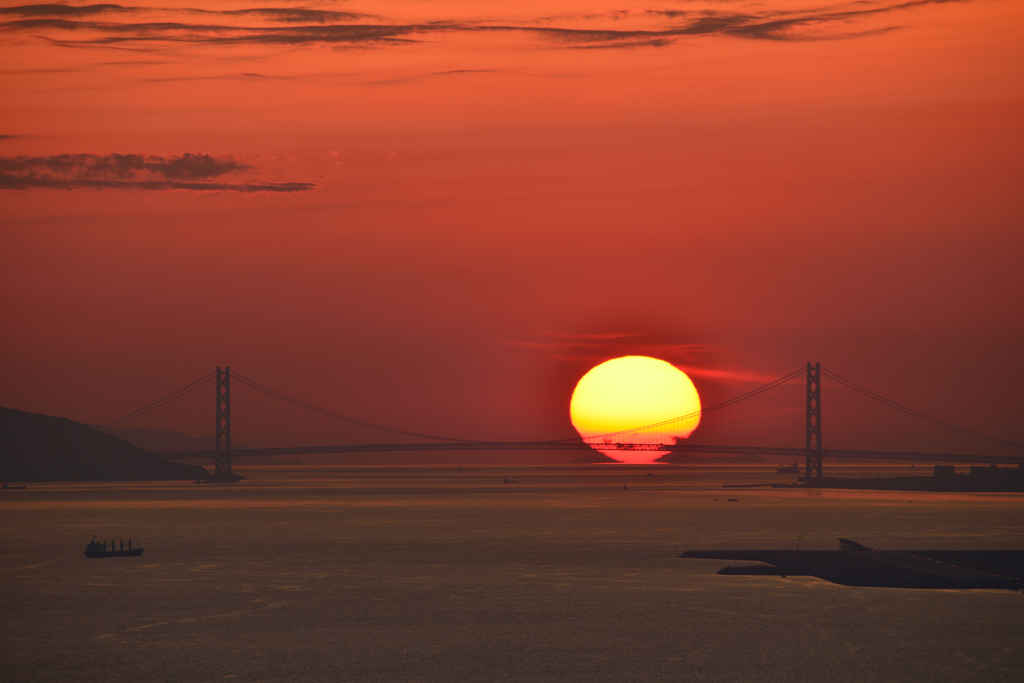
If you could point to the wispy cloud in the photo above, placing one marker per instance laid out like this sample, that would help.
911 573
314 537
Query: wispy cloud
305 26
56 10
697 360
221 77
729 375
596 336
291 15
433 74
288 15
196 172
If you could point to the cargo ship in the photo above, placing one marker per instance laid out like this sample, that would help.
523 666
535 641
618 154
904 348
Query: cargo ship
788 469
99 549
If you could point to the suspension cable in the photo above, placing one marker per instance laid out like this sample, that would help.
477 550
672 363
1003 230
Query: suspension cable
327 413
910 411
167 399
703 411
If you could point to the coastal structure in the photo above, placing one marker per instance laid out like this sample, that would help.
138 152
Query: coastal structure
858 565
991 479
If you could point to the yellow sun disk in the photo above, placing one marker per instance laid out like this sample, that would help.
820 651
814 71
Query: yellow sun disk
631 392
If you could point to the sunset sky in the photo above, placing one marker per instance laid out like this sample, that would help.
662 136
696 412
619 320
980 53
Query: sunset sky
439 215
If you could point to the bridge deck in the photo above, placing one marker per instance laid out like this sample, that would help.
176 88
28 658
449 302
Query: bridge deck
581 446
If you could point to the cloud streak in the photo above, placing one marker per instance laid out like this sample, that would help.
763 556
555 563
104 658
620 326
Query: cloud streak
72 11
697 360
195 172
286 15
307 27
291 15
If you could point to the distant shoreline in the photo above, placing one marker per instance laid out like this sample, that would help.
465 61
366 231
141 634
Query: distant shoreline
980 480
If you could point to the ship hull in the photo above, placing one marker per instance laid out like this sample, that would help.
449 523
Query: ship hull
134 552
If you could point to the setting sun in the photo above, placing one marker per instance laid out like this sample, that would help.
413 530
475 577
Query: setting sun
629 393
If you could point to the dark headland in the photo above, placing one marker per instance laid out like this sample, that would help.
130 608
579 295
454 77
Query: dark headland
163 441
36 447
857 565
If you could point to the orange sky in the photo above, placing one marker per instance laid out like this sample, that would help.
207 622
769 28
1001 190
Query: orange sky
438 216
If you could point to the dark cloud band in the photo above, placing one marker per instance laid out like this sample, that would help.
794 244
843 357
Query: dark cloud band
286 15
300 26
195 172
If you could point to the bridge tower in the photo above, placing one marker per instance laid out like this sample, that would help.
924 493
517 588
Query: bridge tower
222 434
813 464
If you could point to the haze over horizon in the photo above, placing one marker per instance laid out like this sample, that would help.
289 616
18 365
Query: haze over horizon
439 216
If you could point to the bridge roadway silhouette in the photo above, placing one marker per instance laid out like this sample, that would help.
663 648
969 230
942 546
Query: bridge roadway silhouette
584 446
958 444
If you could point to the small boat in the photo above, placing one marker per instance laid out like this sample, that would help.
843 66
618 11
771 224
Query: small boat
6 487
853 546
99 549
788 469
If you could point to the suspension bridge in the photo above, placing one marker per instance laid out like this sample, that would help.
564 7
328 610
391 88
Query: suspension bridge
787 417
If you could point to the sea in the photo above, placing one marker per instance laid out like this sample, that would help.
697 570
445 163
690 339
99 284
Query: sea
560 573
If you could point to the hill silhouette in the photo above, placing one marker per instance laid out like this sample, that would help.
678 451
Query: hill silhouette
160 442
36 447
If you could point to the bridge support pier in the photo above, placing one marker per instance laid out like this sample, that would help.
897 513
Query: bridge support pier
813 454
222 434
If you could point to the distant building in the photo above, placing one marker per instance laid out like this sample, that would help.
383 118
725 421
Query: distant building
989 472
945 471
993 474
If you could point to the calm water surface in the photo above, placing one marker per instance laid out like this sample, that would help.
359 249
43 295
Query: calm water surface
433 574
